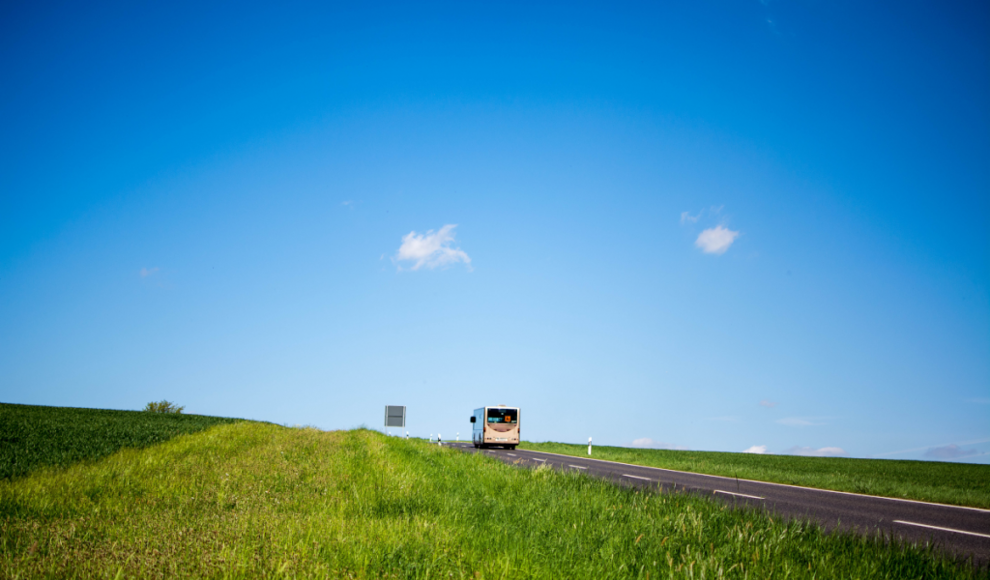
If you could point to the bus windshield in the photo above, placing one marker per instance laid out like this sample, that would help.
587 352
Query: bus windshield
503 416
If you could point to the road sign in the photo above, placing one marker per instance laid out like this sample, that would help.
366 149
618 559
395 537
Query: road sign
395 416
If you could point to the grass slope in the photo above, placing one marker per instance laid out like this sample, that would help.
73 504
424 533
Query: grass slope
258 500
33 436
951 483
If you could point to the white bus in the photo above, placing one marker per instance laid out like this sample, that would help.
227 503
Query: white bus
496 426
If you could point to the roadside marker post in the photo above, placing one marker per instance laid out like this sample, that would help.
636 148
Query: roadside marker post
589 445
439 440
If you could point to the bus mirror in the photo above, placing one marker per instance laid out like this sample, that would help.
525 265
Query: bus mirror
473 418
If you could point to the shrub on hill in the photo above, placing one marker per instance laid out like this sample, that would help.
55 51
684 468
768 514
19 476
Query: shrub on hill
163 406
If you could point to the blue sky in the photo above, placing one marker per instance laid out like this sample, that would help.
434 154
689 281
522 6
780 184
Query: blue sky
720 226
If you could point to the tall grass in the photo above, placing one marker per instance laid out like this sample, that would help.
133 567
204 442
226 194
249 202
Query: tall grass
951 483
34 436
258 500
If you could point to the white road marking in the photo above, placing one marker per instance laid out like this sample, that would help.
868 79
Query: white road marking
512 454
576 466
733 479
942 529
535 459
739 494
636 477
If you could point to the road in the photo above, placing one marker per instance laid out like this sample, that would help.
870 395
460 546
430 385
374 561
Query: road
960 530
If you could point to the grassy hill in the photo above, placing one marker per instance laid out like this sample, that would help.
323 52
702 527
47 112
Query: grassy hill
250 499
952 483
32 437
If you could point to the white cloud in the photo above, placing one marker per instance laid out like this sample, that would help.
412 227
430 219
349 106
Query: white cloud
145 272
687 218
716 240
811 452
768 403
758 449
725 419
648 443
950 452
889 453
798 422
431 250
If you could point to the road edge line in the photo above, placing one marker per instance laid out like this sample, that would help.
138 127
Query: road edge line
942 529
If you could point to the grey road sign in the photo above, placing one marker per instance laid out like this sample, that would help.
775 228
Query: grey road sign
395 416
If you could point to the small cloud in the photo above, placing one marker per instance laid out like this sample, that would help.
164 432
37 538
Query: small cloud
431 250
647 443
145 272
950 452
768 404
798 422
716 240
725 419
687 218
811 452
758 449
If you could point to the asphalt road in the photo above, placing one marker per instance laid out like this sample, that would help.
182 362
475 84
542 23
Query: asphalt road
960 530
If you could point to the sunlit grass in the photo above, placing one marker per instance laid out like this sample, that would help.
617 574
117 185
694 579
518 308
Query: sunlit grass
258 500
935 481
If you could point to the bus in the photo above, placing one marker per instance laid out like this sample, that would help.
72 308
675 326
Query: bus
496 426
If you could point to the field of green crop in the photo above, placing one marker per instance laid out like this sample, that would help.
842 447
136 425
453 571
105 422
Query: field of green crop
33 436
251 500
952 483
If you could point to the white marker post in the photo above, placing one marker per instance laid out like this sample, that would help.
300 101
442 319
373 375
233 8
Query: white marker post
589 445
458 436
439 440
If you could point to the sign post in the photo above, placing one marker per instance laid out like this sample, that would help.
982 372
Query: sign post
395 416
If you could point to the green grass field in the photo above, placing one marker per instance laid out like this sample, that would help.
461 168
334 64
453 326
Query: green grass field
248 500
951 483
33 436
